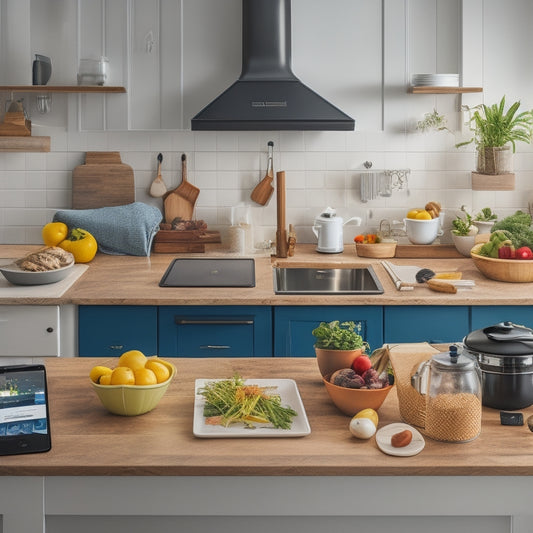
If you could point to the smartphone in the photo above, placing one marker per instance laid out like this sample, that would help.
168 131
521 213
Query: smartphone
24 413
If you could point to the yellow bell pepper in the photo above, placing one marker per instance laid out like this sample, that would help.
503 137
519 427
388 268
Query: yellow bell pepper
54 232
81 244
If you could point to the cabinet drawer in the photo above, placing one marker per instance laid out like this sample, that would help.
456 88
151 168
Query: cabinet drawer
243 331
108 331
426 323
487 315
29 330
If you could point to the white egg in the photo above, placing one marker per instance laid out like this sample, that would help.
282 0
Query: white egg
362 428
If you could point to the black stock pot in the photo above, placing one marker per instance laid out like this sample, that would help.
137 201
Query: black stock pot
505 356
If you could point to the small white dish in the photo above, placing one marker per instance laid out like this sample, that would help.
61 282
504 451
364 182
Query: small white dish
383 439
290 396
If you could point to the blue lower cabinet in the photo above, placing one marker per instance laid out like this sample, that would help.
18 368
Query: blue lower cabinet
217 331
110 330
293 326
426 323
487 315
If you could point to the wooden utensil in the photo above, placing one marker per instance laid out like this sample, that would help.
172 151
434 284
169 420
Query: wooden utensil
180 202
282 244
158 187
263 190
103 181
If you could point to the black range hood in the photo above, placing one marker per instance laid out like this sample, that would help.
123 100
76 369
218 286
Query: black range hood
267 95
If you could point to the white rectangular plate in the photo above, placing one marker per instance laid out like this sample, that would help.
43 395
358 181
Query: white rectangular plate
290 397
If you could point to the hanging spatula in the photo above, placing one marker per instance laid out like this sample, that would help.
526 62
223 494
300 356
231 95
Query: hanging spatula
263 190
158 187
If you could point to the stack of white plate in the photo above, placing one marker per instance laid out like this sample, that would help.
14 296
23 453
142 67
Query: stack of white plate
436 80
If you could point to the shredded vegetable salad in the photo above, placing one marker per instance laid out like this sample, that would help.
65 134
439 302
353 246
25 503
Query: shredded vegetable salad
231 401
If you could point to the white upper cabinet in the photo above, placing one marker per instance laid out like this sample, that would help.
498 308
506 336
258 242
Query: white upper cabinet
175 56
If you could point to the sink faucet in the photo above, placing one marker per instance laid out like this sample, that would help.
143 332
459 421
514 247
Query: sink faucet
281 231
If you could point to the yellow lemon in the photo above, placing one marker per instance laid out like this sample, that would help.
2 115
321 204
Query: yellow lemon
423 215
98 371
162 373
370 414
105 379
413 212
362 428
145 376
122 375
133 359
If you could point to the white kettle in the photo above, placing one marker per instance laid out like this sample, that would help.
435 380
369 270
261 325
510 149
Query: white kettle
328 230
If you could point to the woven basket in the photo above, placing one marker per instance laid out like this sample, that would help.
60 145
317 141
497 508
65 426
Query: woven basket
412 404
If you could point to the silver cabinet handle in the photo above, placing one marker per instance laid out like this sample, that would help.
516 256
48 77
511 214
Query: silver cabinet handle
214 347
214 321
116 346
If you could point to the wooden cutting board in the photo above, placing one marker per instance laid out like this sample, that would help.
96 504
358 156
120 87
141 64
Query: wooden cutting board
103 181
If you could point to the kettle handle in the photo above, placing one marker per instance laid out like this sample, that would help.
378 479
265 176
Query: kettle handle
315 230
419 379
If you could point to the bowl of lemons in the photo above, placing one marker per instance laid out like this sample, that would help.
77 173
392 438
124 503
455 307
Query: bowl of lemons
135 386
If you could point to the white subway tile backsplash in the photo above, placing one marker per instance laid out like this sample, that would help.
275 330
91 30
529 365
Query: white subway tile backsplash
322 169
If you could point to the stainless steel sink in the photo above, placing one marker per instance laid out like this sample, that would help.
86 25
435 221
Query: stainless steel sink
359 280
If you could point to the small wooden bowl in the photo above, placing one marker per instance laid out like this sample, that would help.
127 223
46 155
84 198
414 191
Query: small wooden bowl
351 401
379 250
510 270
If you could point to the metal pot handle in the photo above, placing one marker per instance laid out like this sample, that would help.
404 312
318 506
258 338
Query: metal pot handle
419 379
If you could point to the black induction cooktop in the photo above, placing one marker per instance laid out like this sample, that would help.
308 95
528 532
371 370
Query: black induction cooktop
219 272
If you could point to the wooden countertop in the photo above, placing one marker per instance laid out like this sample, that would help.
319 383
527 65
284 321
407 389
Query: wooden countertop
128 280
88 441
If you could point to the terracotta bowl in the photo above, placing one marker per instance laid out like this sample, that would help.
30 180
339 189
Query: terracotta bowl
351 401
133 400
330 360
511 270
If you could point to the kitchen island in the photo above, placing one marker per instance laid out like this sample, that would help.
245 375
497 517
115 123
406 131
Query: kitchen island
102 465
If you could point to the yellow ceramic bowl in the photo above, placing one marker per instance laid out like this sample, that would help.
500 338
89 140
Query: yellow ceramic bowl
132 400
351 401
510 270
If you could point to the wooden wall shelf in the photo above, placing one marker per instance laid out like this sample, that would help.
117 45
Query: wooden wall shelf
444 90
62 89
24 144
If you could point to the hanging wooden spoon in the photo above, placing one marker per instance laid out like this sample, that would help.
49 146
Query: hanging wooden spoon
263 190
158 187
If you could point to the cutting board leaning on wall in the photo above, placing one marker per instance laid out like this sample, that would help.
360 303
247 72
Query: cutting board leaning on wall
103 181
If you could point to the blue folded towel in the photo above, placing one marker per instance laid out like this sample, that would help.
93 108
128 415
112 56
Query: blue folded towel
121 230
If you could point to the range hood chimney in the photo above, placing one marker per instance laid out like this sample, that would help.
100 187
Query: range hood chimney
267 95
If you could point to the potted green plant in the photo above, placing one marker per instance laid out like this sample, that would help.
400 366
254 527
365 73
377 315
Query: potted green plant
484 220
496 131
464 232
337 345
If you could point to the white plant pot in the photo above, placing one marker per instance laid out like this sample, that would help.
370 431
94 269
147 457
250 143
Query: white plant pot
483 226
464 243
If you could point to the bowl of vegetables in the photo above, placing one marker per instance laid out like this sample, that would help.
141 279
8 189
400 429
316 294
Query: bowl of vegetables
371 245
507 255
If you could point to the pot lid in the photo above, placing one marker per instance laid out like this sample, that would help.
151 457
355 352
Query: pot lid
504 338
328 214
452 360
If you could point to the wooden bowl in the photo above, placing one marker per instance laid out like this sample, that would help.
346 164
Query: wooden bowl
510 270
379 250
351 401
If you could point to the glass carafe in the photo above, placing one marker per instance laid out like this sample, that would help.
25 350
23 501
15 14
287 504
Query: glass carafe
451 383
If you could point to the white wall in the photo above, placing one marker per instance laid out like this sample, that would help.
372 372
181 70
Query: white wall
321 167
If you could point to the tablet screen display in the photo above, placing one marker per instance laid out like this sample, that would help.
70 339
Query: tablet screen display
24 417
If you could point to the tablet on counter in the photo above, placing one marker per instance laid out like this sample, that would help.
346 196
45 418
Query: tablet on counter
24 415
